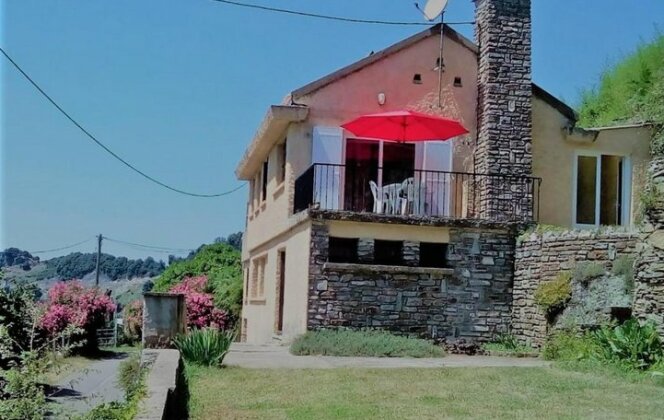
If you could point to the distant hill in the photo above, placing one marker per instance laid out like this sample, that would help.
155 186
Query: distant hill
76 265
126 278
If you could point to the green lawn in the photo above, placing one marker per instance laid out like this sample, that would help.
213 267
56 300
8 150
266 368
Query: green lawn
232 393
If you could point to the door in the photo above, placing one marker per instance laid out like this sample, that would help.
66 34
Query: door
362 157
280 291
433 162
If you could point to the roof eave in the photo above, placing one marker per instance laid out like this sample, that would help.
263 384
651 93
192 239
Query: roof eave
275 122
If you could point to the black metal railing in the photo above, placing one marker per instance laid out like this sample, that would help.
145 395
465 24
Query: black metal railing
412 192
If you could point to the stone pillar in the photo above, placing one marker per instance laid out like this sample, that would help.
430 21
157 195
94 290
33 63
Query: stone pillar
365 250
504 144
411 253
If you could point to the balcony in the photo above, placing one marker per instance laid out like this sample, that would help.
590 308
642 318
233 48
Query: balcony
410 193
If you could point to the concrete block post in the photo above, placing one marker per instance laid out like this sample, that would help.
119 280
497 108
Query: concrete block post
164 317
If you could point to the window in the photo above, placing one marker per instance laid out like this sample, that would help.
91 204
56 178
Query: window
281 175
264 182
388 252
343 250
601 190
433 255
257 289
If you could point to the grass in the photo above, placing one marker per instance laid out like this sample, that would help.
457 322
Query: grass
368 343
232 393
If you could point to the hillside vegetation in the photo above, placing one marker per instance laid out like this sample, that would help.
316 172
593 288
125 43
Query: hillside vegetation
630 91
221 264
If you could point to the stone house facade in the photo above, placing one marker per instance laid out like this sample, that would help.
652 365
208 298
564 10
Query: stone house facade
319 251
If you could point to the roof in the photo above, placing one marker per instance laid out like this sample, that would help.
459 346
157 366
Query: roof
279 116
307 89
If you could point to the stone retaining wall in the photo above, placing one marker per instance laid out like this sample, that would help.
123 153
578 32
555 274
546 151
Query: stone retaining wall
540 257
649 279
470 299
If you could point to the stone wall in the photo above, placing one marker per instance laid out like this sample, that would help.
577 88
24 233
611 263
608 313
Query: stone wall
504 141
470 299
649 279
540 257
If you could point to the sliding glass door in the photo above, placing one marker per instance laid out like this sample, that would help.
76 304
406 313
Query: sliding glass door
602 190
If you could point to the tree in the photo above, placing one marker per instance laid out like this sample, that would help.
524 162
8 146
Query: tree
234 240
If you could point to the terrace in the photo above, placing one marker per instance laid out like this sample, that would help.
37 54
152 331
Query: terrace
400 191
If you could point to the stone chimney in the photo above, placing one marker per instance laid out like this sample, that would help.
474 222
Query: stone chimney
504 143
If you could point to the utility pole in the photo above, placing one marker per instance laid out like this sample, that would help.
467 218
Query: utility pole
99 238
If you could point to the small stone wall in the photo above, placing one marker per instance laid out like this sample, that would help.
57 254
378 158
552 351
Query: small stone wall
540 257
470 299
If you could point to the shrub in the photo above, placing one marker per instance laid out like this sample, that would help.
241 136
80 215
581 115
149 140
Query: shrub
132 319
16 308
624 266
206 346
553 295
221 264
638 346
585 272
71 303
569 346
25 396
201 312
370 343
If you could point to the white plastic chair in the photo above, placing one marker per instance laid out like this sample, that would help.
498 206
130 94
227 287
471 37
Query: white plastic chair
378 196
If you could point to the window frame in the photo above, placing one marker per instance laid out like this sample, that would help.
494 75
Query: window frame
626 196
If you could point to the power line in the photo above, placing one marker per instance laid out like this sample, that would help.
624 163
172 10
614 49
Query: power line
329 17
152 247
45 251
103 146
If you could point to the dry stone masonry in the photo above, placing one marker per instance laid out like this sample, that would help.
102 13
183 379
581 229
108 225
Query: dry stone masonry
470 299
542 256
649 279
503 32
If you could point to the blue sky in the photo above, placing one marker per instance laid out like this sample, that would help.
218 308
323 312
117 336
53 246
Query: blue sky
179 87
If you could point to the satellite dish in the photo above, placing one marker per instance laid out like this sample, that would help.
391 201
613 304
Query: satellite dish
434 8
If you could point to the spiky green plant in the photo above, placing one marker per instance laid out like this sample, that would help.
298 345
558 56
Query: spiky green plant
631 343
206 346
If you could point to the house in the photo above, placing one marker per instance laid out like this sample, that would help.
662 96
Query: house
320 250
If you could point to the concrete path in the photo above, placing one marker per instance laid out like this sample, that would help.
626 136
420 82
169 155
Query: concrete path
276 356
96 384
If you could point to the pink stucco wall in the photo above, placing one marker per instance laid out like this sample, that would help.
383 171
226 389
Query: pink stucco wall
357 93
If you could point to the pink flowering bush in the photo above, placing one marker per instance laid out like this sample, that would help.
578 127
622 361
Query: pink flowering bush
71 303
133 320
201 312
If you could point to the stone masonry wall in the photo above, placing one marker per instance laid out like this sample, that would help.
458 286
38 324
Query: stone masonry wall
471 299
649 279
540 257
504 143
